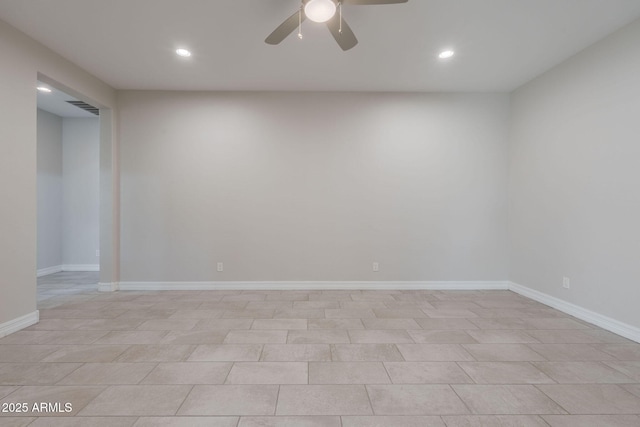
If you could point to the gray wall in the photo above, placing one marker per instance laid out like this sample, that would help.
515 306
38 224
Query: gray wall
23 60
575 179
311 186
81 173
49 190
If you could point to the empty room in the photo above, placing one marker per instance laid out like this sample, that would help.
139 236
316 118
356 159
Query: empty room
320 213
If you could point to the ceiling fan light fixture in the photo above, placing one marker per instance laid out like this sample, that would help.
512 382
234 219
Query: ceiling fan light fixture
320 10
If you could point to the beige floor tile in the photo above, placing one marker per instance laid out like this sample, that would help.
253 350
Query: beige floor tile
435 336
171 324
226 353
84 421
309 421
632 388
506 399
299 313
570 352
336 323
318 336
555 323
72 337
7 390
560 336
219 305
268 373
256 337
449 313
87 353
505 373
495 421
348 313
77 396
606 337
153 313
434 352
413 313
209 336
304 305
365 353
296 353
592 420
196 314
501 336
625 352
26 353
132 337
426 373
56 325
415 400
391 421
25 337
500 323
248 314
137 400
108 373
231 400
110 324
446 324
593 399
187 422
245 297
223 324
34 373
156 353
582 373
396 323
364 305
379 336
347 373
502 352
279 324
630 369
189 373
323 400
8 421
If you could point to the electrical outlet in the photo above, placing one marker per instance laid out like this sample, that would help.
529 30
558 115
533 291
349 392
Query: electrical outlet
97 252
220 266
566 282
376 267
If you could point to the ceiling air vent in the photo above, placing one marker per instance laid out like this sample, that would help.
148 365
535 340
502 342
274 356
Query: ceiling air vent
86 107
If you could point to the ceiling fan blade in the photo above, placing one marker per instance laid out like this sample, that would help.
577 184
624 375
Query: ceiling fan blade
346 39
285 29
368 2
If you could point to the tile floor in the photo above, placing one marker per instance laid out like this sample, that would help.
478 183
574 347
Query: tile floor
312 358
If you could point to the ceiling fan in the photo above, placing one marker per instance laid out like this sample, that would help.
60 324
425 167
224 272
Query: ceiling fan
329 11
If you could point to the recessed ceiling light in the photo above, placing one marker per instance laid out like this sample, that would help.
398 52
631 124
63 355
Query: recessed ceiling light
445 54
183 52
44 89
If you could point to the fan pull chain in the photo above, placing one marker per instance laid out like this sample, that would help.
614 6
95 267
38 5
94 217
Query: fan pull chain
340 6
300 23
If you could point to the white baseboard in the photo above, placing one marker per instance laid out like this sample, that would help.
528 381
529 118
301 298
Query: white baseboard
107 287
612 325
67 267
49 270
81 267
312 285
21 322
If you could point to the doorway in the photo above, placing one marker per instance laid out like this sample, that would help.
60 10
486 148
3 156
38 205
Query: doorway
68 196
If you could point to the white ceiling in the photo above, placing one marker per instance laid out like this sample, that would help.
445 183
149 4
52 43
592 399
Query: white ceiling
499 44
